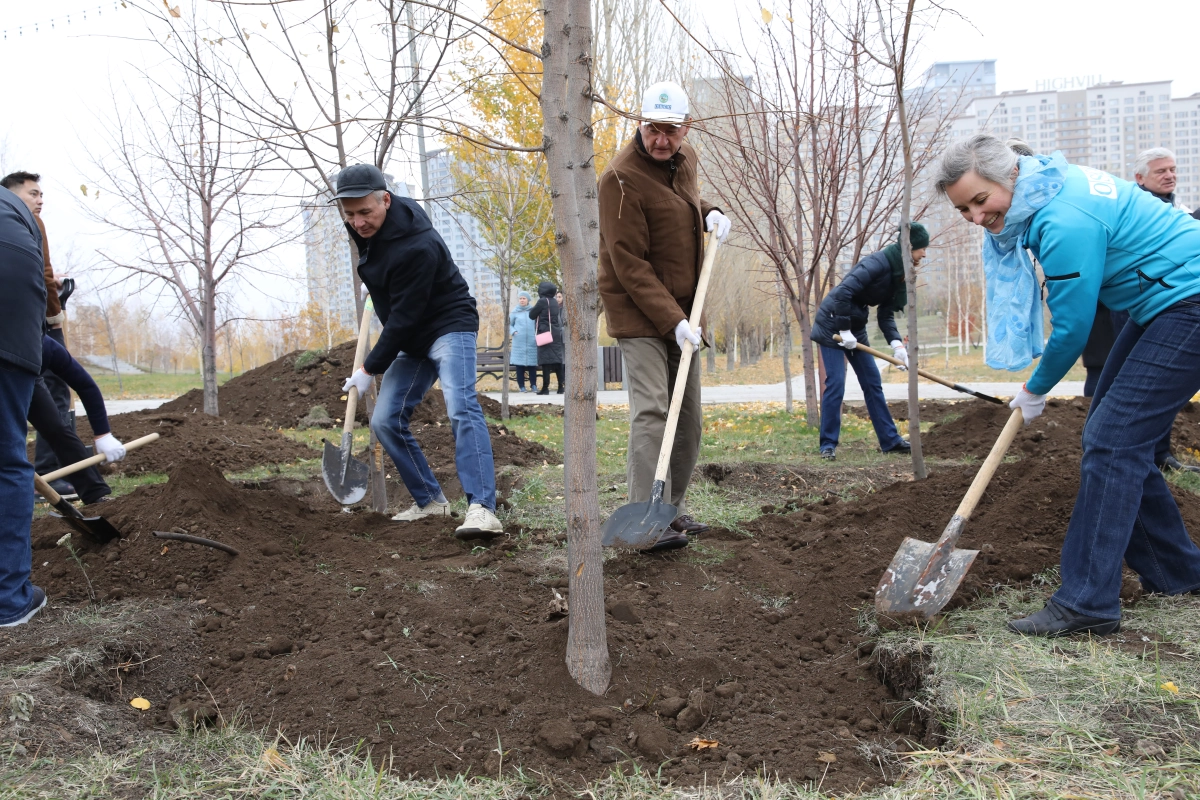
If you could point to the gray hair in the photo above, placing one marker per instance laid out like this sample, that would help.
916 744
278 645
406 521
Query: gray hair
982 154
1142 165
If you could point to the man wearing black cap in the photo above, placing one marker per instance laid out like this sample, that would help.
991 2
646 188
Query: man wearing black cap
429 329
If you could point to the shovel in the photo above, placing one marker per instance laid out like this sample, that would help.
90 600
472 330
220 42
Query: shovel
97 528
958 387
92 461
642 524
923 577
346 476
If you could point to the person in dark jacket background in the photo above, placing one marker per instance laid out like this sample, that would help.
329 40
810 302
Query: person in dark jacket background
22 317
547 316
1099 343
430 326
877 280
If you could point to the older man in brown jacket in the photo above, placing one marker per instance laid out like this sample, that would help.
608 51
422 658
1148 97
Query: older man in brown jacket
652 224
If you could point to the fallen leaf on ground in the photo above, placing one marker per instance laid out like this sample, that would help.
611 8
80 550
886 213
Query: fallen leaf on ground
703 744
1169 686
140 703
272 758
827 758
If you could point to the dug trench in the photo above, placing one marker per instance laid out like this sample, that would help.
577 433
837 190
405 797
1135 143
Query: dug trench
446 659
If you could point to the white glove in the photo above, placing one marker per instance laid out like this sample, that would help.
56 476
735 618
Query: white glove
900 352
110 447
361 380
848 340
684 332
1031 405
716 221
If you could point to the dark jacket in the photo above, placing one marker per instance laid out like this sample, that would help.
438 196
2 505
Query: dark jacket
1100 340
846 307
547 316
651 240
418 292
23 301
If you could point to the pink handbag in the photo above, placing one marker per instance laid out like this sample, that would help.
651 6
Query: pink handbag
547 337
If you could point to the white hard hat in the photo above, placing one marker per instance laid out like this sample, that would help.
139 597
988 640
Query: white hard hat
665 102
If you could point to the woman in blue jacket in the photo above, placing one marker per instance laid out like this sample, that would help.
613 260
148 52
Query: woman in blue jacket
524 343
1097 238
877 280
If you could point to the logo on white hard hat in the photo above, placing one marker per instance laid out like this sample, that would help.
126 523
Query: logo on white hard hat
665 102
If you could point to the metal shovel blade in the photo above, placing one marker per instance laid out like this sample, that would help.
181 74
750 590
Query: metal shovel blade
97 528
345 476
921 578
640 524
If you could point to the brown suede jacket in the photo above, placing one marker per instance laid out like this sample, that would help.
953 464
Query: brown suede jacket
53 309
651 241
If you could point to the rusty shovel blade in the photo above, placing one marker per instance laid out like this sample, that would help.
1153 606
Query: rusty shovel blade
923 577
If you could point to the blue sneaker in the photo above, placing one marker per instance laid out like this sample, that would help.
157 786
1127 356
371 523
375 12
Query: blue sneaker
39 602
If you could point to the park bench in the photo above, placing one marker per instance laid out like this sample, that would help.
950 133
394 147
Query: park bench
490 361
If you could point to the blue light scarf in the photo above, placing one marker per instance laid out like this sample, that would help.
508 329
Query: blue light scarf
1014 299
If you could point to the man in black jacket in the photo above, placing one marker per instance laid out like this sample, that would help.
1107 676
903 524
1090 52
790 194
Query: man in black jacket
22 315
877 280
429 328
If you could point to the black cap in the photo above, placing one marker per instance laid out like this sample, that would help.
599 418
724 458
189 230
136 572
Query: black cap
359 181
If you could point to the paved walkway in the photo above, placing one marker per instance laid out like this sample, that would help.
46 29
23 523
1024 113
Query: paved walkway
774 392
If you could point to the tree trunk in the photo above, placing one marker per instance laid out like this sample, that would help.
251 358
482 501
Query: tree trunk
785 350
710 353
208 348
567 128
812 412
730 350
504 379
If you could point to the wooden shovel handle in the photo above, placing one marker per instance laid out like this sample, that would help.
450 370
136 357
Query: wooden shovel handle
360 355
92 461
685 360
46 490
899 363
984 476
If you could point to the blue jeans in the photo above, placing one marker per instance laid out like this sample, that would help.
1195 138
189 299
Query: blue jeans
835 390
451 360
524 371
16 494
1124 509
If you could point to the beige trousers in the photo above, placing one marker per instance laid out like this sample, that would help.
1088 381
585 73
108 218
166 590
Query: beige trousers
650 367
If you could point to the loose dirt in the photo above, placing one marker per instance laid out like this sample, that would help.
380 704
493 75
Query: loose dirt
348 626
279 394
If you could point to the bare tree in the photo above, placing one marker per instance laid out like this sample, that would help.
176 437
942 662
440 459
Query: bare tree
503 191
180 183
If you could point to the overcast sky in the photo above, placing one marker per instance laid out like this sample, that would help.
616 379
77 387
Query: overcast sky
55 81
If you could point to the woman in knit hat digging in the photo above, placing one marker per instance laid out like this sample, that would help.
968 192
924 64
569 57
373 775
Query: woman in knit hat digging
877 280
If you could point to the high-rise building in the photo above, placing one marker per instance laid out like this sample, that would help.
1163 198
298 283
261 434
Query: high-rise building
330 275
951 85
460 230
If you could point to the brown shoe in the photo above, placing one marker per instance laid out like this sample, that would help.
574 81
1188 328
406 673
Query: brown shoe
685 524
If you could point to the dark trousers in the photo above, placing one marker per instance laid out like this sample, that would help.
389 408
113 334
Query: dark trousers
522 372
557 369
1124 510
16 494
44 459
65 444
872 386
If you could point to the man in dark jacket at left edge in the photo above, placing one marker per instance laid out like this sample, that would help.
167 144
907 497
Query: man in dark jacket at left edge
22 315
430 324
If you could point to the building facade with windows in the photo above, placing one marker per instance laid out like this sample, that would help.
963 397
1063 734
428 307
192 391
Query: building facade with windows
460 230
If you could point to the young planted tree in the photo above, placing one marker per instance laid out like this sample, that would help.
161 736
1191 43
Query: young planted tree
186 188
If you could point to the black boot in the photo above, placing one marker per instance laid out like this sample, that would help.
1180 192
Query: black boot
1056 620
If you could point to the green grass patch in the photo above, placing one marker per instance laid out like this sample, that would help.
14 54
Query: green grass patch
313 436
300 470
150 384
1078 717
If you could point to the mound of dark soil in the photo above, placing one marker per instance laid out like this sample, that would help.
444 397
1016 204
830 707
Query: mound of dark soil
352 627
279 394
1057 432
229 446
